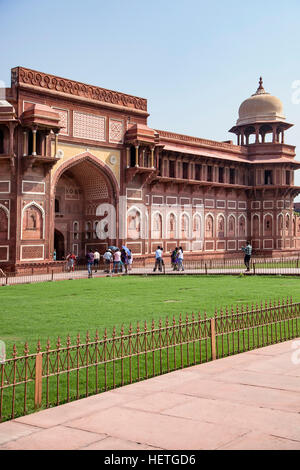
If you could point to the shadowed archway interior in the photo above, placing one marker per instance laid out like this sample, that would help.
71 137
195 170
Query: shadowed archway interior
79 191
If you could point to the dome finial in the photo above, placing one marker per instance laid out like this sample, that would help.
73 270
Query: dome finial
260 90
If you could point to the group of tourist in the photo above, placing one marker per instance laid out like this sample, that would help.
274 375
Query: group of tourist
120 260
176 259
115 260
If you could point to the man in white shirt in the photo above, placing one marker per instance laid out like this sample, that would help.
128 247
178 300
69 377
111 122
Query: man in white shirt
180 259
158 259
96 259
108 260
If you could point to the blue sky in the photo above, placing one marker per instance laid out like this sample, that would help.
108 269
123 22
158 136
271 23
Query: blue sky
195 61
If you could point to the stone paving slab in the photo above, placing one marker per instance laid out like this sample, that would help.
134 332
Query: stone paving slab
246 401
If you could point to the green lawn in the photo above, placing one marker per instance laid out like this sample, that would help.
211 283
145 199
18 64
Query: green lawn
35 312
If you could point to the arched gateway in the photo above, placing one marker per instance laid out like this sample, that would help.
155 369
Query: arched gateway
80 188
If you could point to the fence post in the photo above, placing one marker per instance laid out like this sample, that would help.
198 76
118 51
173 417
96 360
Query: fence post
213 338
253 268
38 380
205 268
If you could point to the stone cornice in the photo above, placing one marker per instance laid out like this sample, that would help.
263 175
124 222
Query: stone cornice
197 141
31 79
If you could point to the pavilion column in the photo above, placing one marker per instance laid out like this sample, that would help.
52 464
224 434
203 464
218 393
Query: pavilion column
24 143
274 134
152 157
143 158
137 155
282 137
128 156
242 137
55 144
46 143
11 138
256 134
34 131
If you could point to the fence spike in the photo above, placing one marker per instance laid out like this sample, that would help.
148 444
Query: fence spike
14 351
96 336
58 343
26 349
68 341
87 337
78 339
38 348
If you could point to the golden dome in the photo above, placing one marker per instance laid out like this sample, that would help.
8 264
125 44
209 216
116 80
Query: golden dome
260 107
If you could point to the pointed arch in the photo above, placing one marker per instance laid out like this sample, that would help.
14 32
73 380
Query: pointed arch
33 221
209 225
4 223
172 226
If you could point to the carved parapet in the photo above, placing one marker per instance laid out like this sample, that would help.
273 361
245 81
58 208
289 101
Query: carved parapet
27 77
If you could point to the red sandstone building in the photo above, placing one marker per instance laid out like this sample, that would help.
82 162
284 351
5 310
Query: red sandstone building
80 169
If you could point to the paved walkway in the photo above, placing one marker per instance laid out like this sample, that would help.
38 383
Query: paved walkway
247 401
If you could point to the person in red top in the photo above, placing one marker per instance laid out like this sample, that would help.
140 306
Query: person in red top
71 258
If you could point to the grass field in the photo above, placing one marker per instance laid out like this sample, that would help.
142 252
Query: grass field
35 312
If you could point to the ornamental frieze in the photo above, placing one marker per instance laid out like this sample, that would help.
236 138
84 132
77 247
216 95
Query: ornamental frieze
50 82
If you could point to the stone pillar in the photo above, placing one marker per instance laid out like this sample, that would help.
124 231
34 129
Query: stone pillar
24 143
242 137
128 157
256 134
46 143
274 134
152 157
34 141
137 155
55 144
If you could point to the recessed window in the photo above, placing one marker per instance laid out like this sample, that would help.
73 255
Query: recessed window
232 175
268 177
56 205
1 141
185 170
209 173
197 172
221 175
172 169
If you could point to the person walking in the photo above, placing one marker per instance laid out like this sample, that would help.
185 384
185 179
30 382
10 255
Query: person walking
180 259
248 253
96 260
108 260
130 259
158 259
117 261
71 258
174 258
124 259
90 261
